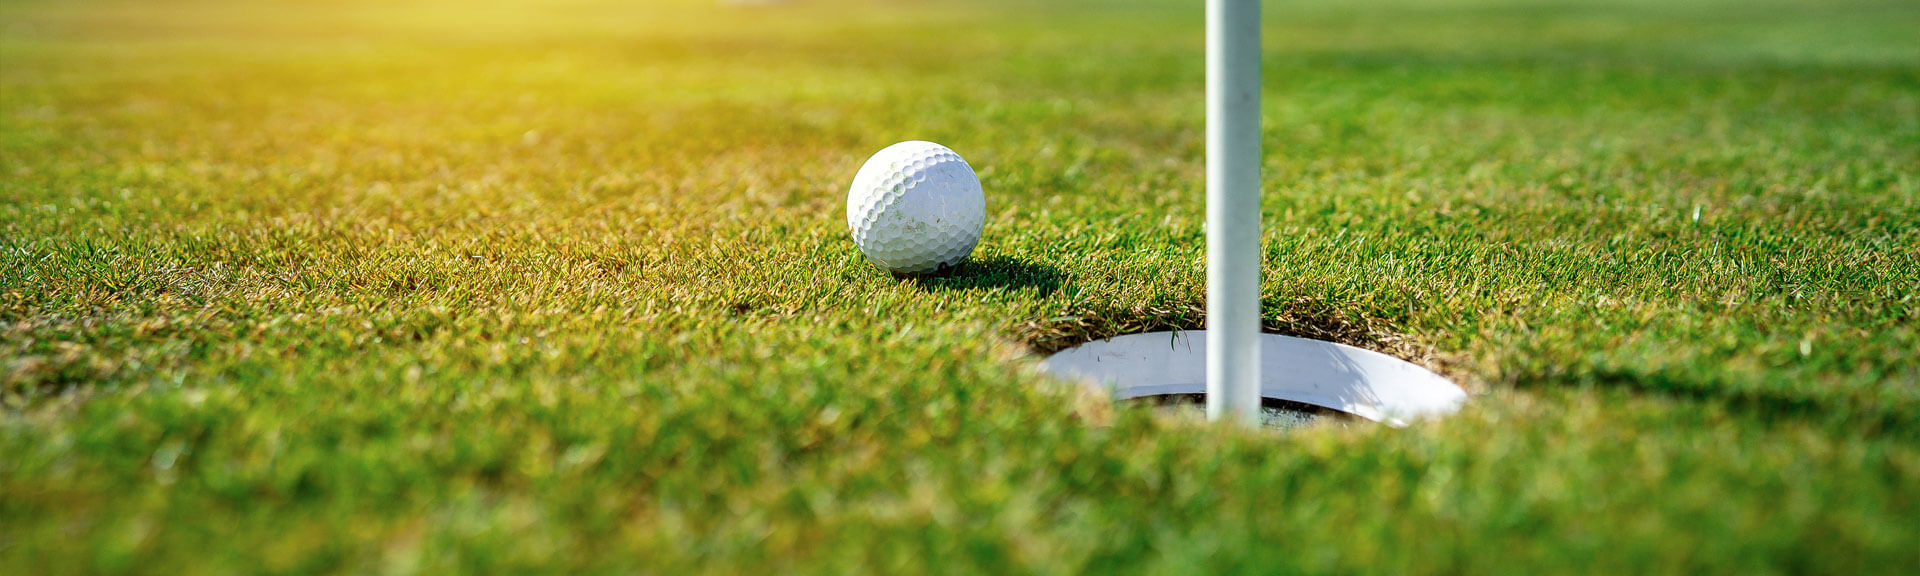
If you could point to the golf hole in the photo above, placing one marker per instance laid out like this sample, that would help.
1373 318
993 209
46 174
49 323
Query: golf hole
1302 381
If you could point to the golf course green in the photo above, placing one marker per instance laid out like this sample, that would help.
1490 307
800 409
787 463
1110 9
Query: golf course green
566 286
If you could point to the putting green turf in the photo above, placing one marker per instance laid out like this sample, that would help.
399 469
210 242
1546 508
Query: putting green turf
543 286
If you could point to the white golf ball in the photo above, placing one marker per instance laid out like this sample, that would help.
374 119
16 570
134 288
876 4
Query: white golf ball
916 207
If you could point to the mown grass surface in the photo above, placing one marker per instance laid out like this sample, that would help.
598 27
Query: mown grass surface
543 286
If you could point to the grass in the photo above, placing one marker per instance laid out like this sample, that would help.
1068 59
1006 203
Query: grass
564 286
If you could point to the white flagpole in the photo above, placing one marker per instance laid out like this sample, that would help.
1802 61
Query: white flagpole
1233 210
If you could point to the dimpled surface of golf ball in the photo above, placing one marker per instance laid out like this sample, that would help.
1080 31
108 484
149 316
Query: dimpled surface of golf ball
915 208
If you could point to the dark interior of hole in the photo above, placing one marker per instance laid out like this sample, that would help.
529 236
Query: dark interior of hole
1265 404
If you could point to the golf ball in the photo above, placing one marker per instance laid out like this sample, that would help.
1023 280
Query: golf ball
916 207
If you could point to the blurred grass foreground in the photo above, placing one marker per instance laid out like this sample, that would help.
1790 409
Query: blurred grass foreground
564 286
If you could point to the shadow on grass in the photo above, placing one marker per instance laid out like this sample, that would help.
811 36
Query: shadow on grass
1300 317
992 272
1864 419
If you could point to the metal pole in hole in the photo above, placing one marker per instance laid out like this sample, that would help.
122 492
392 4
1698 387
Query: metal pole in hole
1233 210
